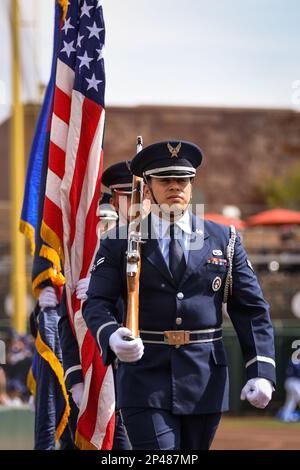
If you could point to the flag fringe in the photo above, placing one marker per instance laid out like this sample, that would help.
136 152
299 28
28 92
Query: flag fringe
82 443
51 255
48 355
50 237
28 230
64 6
57 279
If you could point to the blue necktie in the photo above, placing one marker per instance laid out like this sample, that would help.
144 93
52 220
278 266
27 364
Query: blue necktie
177 262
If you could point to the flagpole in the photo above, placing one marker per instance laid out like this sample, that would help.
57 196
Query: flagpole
17 276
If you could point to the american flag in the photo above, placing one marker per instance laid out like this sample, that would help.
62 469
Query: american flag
72 194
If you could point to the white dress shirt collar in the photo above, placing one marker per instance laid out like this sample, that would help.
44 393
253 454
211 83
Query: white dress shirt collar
161 225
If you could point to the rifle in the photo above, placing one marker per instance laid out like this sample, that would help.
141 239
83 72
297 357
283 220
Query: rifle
134 251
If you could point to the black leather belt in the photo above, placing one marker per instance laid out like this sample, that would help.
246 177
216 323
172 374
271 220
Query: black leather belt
181 337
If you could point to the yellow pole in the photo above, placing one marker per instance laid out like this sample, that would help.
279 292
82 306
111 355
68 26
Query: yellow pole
18 277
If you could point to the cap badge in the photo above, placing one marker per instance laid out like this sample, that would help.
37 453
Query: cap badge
174 151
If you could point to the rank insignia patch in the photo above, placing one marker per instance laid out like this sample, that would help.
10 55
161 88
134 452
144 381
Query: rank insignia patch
97 264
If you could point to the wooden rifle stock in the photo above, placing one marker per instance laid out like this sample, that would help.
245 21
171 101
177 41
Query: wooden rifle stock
134 252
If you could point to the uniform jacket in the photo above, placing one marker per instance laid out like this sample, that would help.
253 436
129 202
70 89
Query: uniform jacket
193 378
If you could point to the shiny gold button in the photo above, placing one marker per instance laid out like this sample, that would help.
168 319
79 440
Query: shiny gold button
178 321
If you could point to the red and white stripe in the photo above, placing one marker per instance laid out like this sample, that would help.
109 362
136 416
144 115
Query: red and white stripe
70 211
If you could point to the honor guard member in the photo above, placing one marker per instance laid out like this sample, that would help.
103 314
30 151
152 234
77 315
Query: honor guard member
107 213
117 179
172 381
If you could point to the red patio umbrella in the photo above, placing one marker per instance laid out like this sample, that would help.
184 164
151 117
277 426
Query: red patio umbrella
222 219
274 217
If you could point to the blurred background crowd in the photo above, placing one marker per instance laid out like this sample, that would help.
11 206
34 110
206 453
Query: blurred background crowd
13 374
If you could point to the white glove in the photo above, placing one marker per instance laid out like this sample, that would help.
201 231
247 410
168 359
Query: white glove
47 297
126 351
258 392
82 287
77 393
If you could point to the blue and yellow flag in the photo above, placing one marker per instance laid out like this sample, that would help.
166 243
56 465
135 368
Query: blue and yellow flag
29 215
46 378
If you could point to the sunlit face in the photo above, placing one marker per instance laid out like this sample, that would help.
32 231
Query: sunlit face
172 193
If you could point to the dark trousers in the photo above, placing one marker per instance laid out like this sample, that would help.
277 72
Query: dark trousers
121 441
156 429
120 437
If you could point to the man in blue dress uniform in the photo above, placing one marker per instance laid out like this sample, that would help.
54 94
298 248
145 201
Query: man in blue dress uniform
172 381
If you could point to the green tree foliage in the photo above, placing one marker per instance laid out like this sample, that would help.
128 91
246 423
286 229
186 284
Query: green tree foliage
283 191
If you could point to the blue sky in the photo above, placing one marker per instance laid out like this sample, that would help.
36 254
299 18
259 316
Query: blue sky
221 52
190 52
